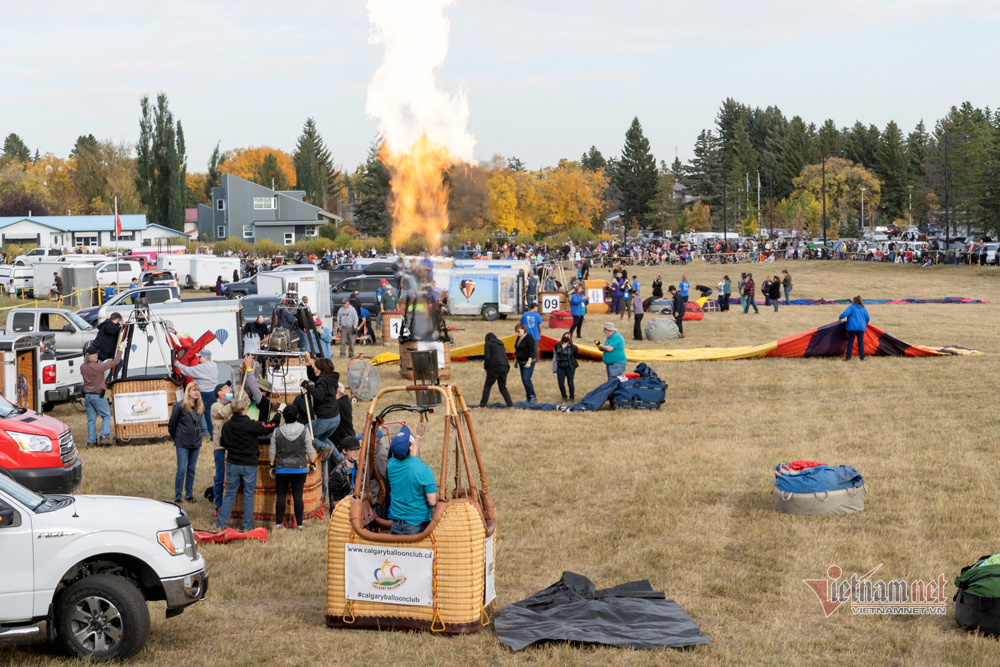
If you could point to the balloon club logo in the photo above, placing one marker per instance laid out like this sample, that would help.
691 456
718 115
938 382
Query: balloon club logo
140 407
388 577
467 287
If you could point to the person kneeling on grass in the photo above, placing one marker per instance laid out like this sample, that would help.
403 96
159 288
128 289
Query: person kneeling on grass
342 476
292 456
239 439
414 492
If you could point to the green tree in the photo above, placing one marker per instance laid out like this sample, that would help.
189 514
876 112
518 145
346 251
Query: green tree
665 211
860 144
14 149
161 164
514 164
636 175
213 178
88 174
829 137
702 179
592 160
893 168
271 175
731 116
795 155
314 170
372 187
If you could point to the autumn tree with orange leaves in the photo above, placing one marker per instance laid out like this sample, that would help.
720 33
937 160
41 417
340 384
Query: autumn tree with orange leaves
260 165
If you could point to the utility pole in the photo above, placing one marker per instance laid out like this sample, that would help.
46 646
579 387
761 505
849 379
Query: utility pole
910 214
863 213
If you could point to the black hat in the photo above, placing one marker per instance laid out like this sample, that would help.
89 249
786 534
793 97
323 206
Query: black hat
349 443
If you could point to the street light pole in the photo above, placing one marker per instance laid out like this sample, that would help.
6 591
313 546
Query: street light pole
825 153
910 213
863 213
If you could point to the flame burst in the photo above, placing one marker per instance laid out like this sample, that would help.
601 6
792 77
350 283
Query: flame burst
419 195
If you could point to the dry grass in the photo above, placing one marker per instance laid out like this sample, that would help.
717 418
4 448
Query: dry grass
680 496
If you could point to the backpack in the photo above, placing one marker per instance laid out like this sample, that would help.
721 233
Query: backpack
977 601
646 392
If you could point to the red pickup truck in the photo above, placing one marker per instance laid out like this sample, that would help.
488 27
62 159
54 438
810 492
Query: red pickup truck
37 451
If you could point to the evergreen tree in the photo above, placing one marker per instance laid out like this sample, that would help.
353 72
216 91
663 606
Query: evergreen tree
731 115
592 160
702 179
15 149
991 182
161 164
829 137
372 188
214 177
918 147
270 174
773 127
514 164
665 211
741 153
677 169
314 171
861 144
636 175
812 136
795 156
892 167
88 176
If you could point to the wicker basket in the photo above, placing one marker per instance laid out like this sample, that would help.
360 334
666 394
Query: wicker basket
144 431
459 545
406 360
265 495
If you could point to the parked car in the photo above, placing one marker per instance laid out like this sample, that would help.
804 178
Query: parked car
259 304
991 253
152 294
156 277
87 566
37 451
119 271
242 288
366 287
37 255
71 331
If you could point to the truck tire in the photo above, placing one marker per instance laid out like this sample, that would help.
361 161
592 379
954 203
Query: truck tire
102 617
490 312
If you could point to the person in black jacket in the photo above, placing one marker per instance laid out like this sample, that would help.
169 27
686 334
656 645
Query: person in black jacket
679 309
240 440
496 366
564 360
322 389
774 292
107 337
183 428
346 427
525 353
343 474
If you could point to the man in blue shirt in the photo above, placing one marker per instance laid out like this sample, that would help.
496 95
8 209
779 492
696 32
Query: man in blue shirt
613 351
414 492
110 292
684 287
532 321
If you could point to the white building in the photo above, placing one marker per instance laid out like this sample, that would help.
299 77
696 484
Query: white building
87 231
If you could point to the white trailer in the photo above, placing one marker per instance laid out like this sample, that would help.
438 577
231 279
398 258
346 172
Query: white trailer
190 319
179 265
206 269
315 285
484 292
515 264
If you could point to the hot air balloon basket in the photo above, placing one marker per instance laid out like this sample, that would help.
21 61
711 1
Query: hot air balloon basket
265 496
141 408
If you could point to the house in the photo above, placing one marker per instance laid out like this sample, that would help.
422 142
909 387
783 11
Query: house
86 231
245 210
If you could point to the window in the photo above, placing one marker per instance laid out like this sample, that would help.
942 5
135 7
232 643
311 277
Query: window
84 240
126 236
220 232
36 252
220 204
248 231
310 232
54 322
289 238
24 322
264 203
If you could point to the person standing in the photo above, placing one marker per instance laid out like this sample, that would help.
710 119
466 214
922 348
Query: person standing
775 292
616 296
637 312
626 296
678 309
742 287
684 287
292 456
239 438
531 290
92 371
727 291
578 303
206 374
345 429
532 321
786 283
857 322
220 289
496 366
613 351
750 291
414 492
57 286
110 291
323 386
525 353
183 428
565 362
657 288
107 336
220 412
347 320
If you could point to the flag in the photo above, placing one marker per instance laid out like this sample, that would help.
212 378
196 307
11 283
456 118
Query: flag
118 226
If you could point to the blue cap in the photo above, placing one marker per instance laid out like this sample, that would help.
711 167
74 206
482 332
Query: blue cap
400 444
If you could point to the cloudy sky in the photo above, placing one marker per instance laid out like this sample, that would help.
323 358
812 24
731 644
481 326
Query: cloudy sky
545 79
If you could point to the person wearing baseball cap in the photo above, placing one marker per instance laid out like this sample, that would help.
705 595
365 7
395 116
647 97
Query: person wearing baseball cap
342 476
613 350
414 492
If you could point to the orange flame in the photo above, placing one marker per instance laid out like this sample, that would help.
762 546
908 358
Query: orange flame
419 194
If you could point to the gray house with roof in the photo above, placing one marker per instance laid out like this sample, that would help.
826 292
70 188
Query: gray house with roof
245 210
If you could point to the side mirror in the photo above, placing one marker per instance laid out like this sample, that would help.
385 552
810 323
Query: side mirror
69 328
6 516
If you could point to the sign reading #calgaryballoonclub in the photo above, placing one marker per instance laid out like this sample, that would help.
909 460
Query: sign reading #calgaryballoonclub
141 407
387 574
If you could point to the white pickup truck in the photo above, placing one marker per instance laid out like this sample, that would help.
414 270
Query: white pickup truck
87 565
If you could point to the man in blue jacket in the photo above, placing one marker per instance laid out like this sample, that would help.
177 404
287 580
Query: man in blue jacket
578 303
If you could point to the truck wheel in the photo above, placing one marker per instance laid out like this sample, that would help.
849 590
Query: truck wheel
47 407
490 312
102 617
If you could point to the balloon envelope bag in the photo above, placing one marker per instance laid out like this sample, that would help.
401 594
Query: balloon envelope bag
816 489
440 579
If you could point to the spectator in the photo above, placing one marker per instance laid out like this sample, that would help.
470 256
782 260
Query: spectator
346 427
57 285
220 289
750 292
110 291
684 287
292 457
220 412
205 373
183 428
347 320
92 371
775 292
613 350
414 492
525 353
107 336
679 309
496 366
578 303
658 288
786 283
239 438
532 321
564 364
343 475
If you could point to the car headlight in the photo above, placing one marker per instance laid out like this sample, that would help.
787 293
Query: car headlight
29 442
174 541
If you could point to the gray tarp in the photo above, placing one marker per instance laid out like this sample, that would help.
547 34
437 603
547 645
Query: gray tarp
632 615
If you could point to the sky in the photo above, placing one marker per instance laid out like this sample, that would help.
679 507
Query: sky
545 79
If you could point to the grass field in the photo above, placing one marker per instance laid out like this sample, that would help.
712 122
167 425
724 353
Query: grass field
681 496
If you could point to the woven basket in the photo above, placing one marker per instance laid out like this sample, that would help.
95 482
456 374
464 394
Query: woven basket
145 430
265 495
459 544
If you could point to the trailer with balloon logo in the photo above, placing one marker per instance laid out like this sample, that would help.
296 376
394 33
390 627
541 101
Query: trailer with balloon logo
488 293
